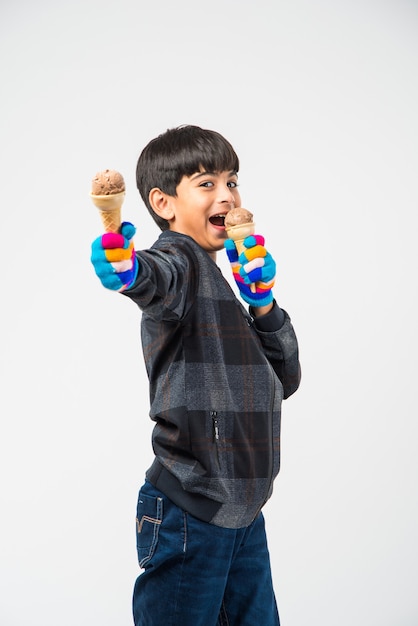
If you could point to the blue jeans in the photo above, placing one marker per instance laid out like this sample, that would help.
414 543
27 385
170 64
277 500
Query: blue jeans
198 574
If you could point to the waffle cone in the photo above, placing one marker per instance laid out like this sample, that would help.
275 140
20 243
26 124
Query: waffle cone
240 231
239 244
238 234
110 209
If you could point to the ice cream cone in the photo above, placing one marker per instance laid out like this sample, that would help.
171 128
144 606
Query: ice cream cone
110 210
238 233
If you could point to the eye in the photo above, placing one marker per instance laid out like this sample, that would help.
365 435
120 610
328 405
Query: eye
233 184
206 183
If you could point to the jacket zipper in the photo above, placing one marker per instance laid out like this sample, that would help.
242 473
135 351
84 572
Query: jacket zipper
215 422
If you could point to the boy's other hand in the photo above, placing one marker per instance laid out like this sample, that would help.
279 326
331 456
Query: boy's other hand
253 266
113 258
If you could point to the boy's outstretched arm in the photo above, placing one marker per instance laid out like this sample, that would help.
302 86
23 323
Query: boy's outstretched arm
113 258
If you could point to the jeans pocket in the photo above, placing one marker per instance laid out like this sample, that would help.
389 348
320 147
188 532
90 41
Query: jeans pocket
149 516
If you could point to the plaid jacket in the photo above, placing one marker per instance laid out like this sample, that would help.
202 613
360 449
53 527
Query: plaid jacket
217 379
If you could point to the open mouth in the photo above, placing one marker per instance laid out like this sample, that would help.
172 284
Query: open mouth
217 220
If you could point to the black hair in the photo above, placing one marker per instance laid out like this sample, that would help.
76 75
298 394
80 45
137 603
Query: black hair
179 152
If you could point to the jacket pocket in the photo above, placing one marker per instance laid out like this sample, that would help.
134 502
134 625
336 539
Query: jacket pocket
149 515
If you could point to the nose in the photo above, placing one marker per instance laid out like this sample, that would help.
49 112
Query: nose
226 196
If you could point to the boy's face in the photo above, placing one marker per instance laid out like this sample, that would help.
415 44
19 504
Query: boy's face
203 199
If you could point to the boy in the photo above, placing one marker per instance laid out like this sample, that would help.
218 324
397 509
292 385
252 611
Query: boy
217 376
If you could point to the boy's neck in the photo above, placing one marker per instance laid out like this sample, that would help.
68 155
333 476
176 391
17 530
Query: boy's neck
212 254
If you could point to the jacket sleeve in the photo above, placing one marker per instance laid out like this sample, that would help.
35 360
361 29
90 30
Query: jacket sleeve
166 282
280 346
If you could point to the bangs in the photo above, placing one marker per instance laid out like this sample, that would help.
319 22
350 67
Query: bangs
213 154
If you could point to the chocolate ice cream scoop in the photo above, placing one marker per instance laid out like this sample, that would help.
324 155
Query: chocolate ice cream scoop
237 216
107 183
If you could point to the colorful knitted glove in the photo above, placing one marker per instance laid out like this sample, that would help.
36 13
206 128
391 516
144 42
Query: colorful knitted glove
113 258
254 265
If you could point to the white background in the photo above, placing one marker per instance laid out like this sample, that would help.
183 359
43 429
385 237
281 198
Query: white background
320 100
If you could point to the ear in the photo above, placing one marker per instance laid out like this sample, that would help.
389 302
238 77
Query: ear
161 203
